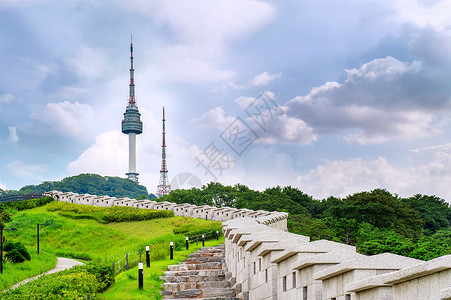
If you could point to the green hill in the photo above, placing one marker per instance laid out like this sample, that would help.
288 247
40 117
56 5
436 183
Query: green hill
91 184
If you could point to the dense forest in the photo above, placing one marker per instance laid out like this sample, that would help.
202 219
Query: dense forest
90 184
375 221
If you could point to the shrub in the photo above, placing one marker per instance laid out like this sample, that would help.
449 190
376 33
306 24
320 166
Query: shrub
29 204
14 256
104 215
18 247
23 250
74 283
9 246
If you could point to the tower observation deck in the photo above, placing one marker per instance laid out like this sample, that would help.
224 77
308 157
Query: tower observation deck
131 124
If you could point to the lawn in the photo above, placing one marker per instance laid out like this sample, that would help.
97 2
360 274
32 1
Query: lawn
89 240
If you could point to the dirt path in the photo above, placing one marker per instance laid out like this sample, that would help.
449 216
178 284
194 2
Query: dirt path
61 264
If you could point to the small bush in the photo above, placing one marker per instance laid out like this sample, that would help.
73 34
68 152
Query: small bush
12 248
14 256
23 250
9 246
74 283
29 204
104 215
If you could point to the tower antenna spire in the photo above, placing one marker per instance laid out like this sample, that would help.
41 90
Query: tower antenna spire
131 124
163 188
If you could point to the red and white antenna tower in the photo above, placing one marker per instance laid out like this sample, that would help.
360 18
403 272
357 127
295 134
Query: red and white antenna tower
163 188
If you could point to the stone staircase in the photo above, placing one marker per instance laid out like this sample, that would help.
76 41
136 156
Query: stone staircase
201 276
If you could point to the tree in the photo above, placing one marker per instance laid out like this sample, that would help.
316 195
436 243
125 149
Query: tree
380 209
435 211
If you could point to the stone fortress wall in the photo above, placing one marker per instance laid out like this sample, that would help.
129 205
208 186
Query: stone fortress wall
264 261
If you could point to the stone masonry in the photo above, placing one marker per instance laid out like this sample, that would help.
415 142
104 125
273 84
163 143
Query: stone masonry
201 276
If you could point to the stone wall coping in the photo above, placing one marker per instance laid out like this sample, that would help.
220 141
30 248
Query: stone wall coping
122 199
420 269
335 257
384 261
368 283
272 236
143 201
236 234
279 246
320 246
95 197
445 293
230 225
260 235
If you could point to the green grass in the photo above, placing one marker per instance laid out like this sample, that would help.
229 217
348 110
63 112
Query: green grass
126 285
87 239
13 273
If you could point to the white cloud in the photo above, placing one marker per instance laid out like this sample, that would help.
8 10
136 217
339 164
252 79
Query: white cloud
290 130
66 118
423 13
13 137
199 21
21 169
264 78
429 173
201 31
259 80
89 63
2 186
188 63
214 118
108 156
376 101
7 98
244 102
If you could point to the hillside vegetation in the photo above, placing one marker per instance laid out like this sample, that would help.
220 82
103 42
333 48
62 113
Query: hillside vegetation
79 231
90 184
376 221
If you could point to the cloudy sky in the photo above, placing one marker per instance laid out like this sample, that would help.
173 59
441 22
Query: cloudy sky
333 97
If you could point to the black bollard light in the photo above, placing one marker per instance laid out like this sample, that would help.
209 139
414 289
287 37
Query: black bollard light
140 275
1 246
217 235
203 240
187 243
171 249
147 256
45 224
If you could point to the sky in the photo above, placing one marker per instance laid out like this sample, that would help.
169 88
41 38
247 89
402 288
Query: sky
333 97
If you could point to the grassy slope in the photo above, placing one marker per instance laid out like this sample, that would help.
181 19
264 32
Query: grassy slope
84 239
13 273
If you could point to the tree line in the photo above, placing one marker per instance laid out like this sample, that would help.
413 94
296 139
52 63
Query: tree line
89 184
374 221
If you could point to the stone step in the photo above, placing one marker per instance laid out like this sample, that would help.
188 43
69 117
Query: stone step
212 293
178 286
196 260
198 266
196 278
200 277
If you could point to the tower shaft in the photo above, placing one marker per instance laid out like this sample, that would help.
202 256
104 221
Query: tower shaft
163 187
131 124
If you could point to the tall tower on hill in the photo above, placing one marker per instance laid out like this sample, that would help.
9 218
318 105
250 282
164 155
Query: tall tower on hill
131 124
163 187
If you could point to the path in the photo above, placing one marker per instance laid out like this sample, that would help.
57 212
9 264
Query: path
61 265
199 277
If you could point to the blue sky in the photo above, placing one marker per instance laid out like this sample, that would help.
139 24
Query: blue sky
333 97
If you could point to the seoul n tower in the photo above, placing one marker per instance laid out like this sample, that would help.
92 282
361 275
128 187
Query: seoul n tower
163 187
131 124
